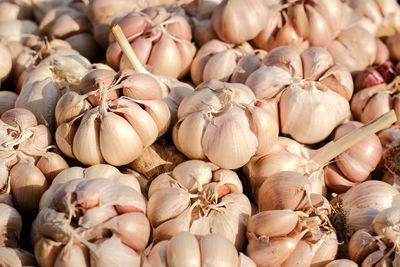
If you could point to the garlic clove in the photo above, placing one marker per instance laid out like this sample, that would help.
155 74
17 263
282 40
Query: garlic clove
19 118
119 142
220 66
51 164
336 180
88 135
316 61
217 135
159 111
71 255
64 136
159 210
339 80
157 256
326 251
342 263
376 106
217 251
183 250
319 32
245 261
192 126
272 223
190 174
384 223
170 228
246 65
302 255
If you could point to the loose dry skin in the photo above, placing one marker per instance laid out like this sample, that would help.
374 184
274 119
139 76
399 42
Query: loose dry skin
185 249
160 37
91 222
201 198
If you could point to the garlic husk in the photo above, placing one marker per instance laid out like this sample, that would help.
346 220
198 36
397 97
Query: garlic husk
232 26
106 206
385 223
7 100
201 198
211 135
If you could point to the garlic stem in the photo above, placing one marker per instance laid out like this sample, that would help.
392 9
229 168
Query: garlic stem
128 51
334 148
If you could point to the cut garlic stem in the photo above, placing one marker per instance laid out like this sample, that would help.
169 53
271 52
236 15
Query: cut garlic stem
328 152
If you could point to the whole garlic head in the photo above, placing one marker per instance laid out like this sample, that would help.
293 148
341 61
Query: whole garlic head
225 123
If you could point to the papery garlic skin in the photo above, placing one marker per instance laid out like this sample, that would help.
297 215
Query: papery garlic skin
160 37
111 216
16 257
116 114
10 226
201 198
224 123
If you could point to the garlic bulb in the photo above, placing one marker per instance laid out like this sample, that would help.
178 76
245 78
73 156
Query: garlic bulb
91 222
201 198
361 203
312 91
7 100
355 164
45 84
16 257
161 38
301 24
10 226
370 103
381 18
95 171
116 114
185 249
286 238
379 245
236 23
6 62
354 48
217 60
342 263
71 24
223 122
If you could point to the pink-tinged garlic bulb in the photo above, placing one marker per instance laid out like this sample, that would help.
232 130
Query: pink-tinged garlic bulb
186 249
217 60
5 63
7 100
23 144
91 222
95 171
72 25
390 139
355 164
236 23
301 24
47 82
225 123
160 37
354 48
379 245
288 238
116 115
16 257
10 226
312 91
290 156
201 198
375 75
357 208
102 14
372 102
381 18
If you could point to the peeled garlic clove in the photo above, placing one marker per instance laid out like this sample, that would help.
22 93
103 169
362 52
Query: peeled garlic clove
283 190
233 26
272 223
184 250
27 186
211 251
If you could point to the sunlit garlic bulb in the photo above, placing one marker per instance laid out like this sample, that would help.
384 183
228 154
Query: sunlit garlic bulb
225 123
201 198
